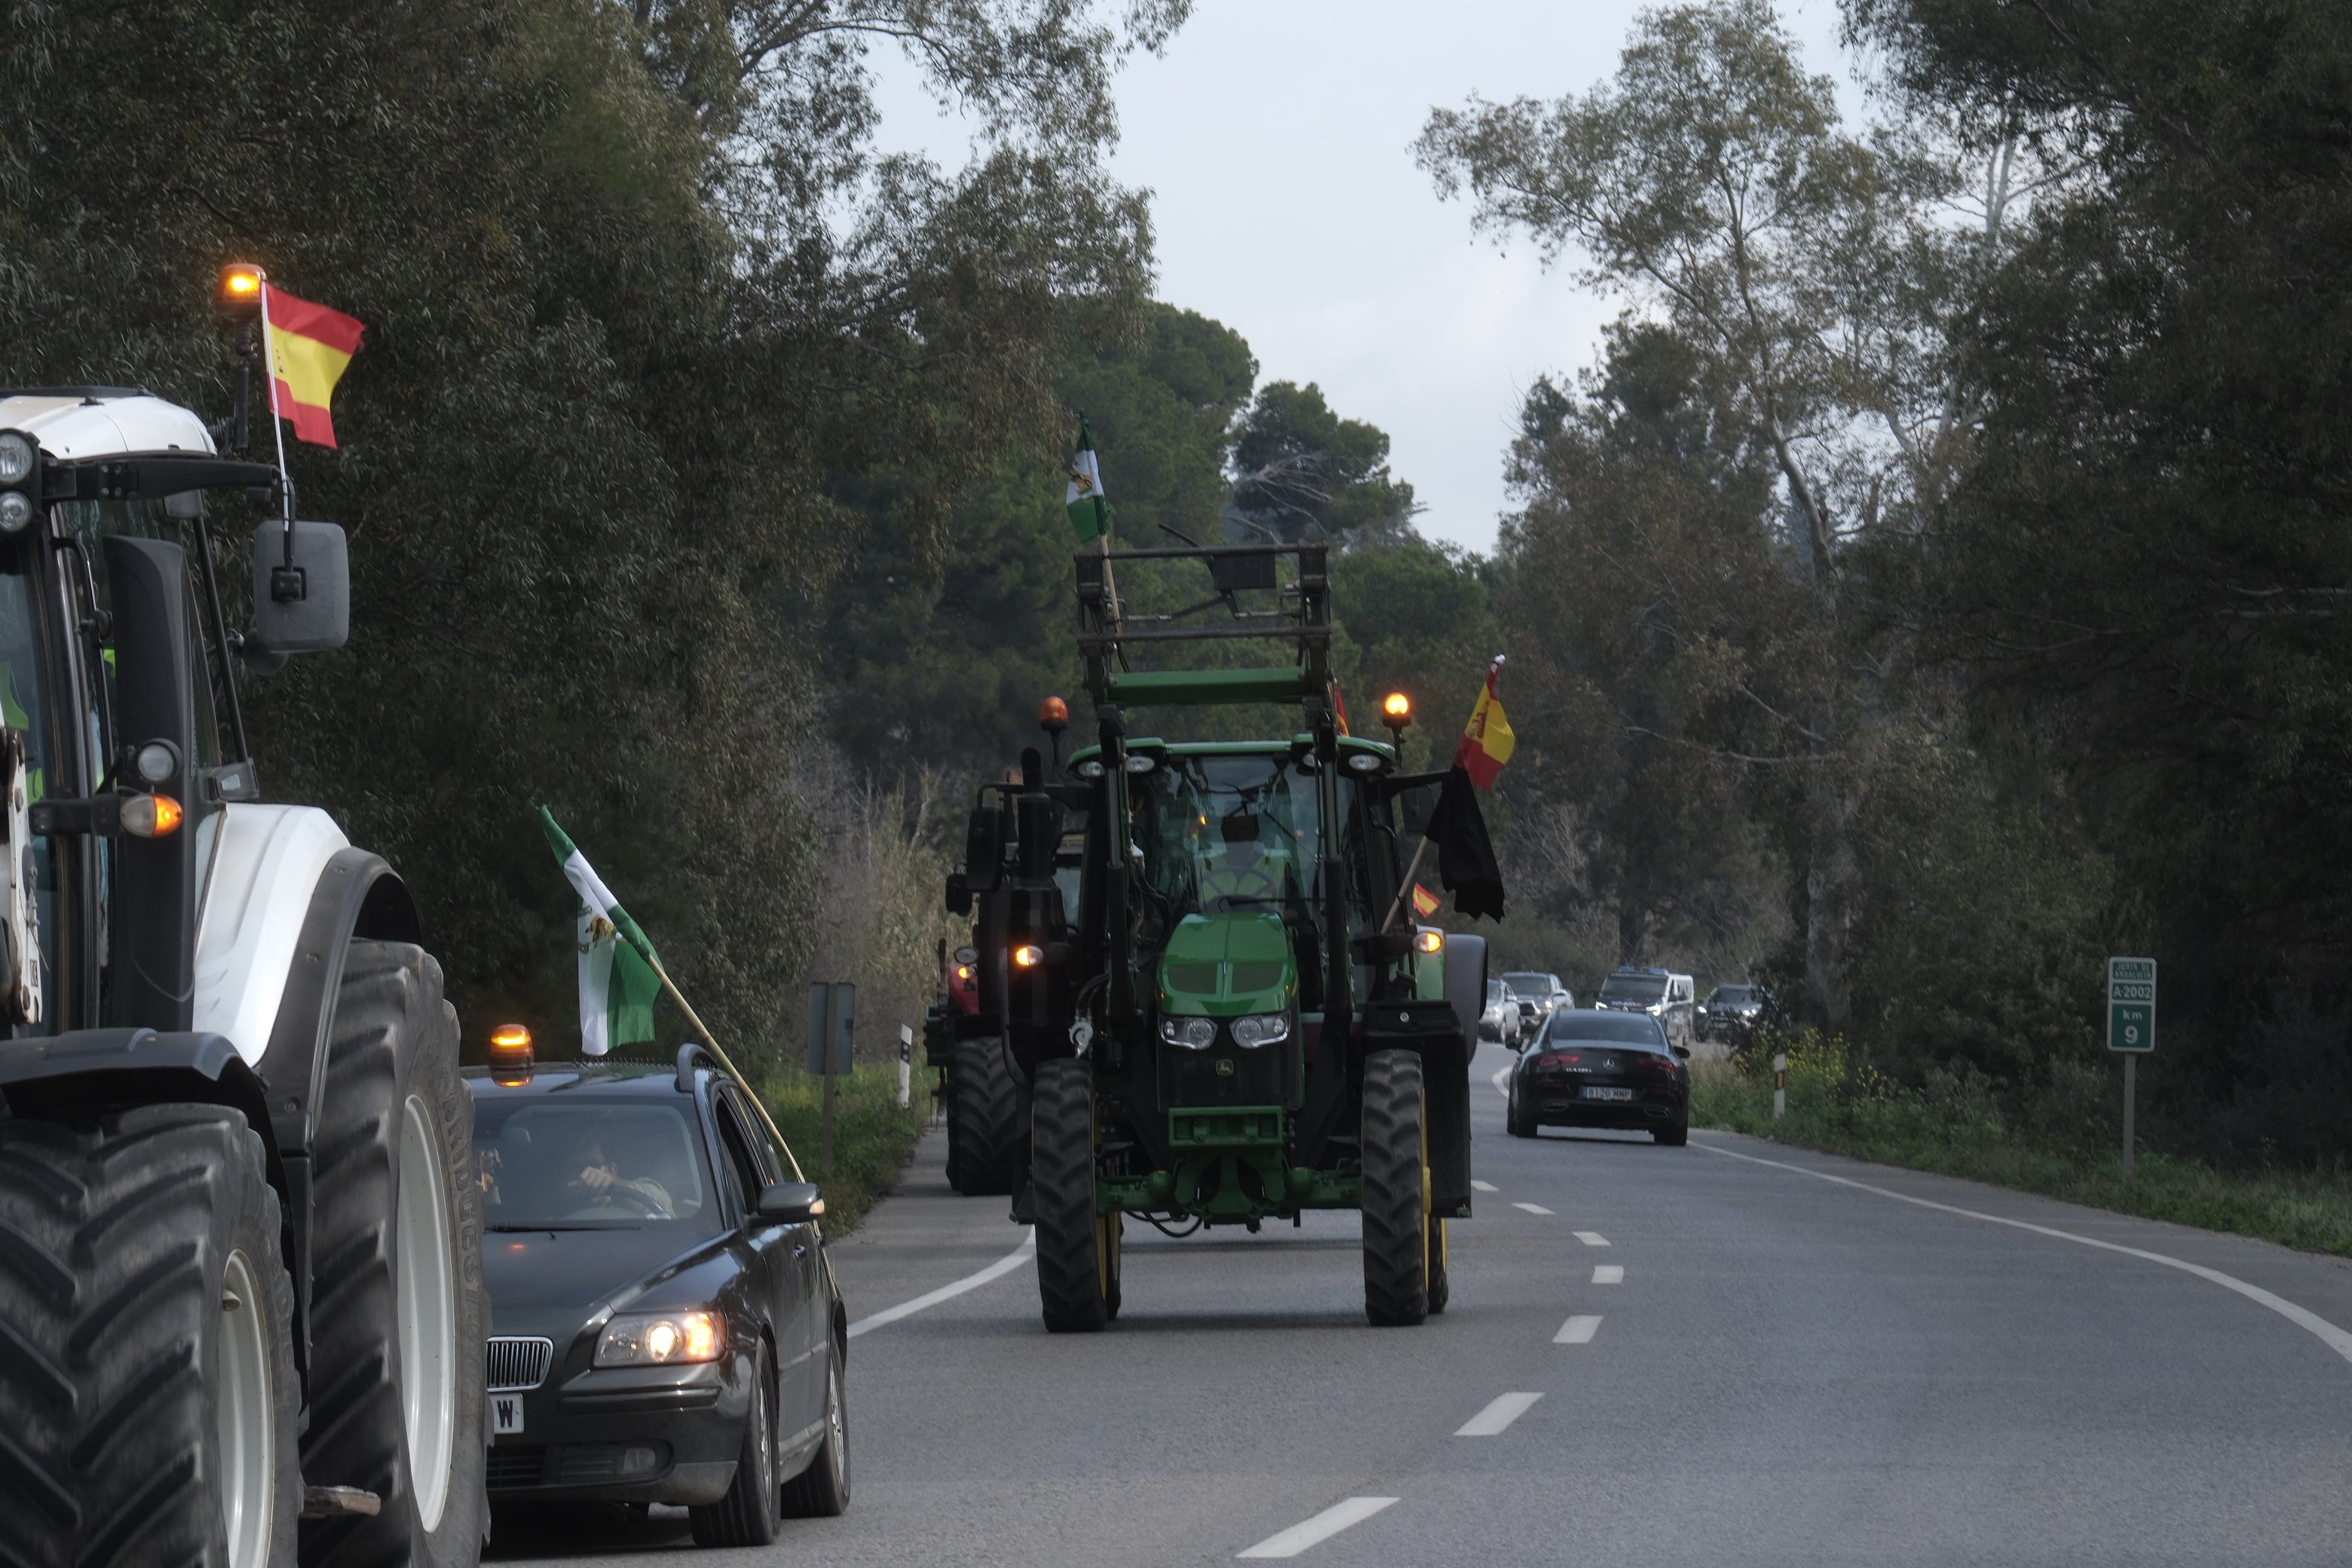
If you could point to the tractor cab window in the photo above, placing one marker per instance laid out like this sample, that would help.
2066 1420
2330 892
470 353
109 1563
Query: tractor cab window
1228 832
25 707
86 525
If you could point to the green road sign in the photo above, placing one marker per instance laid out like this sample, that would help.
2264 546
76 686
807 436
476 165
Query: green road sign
2131 1004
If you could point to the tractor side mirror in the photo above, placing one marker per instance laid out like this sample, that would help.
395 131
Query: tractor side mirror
302 588
791 1203
983 850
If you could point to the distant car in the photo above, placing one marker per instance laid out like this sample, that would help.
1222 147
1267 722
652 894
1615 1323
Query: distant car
1662 994
1731 1012
665 1324
1500 1021
1544 990
1602 1068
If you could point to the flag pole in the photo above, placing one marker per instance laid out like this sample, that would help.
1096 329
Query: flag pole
1406 886
759 1104
276 429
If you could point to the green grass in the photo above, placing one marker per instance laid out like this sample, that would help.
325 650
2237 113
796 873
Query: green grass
872 1138
1956 1131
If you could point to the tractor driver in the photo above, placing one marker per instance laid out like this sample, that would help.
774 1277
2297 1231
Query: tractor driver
1243 872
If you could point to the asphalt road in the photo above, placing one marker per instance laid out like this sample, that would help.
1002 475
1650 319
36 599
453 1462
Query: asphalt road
1681 1356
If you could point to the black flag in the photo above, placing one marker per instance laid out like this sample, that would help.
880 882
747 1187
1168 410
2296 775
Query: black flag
1465 858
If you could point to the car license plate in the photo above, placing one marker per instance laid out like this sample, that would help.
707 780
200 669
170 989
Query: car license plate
506 1414
1608 1094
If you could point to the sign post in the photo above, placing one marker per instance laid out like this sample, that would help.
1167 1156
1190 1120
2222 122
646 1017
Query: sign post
906 1067
1779 1086
2131 1029
832 1023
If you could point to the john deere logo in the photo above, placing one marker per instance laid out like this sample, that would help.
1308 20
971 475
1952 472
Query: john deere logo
1224 1069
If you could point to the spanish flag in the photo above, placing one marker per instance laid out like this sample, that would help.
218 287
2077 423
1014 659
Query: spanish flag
309 346
1487 741
1424 902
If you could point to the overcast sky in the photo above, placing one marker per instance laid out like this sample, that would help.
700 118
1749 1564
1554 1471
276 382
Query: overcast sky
1274 136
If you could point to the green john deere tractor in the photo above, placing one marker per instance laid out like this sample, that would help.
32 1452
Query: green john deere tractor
1224 1011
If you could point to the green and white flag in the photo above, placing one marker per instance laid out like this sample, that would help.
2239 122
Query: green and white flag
617 983
1089 513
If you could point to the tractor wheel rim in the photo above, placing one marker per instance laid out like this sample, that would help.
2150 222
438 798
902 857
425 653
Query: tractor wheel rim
429 1315
246 1416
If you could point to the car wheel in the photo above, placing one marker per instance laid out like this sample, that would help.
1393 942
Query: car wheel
1519 1123
1675 1135
822 1491
748 1515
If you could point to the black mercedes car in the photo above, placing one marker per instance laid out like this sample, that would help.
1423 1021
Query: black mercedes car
1602 1069
665 1324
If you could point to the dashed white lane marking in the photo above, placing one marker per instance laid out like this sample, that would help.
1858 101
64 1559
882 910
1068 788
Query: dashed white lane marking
1591 1238
1496 1419
996 1270
1608 1274
1577 1331
1532 1208
2327 1333
1484 1186
1339 1516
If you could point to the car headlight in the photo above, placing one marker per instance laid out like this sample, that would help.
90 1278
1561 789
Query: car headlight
660 1339
15 459
1261 1029
1192 1033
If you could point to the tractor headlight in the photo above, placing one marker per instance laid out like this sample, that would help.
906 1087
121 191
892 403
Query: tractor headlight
1192 1033
1261 1029
16 511
660 1339
15 459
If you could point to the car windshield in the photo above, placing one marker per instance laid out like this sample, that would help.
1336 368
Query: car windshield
1614 1028
1734 993
1495 992
622 1161
1538 985
1633 988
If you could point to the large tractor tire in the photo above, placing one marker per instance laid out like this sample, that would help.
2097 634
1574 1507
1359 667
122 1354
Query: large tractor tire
1396 1191
984 1144
1071 1258
147 1400
398 1313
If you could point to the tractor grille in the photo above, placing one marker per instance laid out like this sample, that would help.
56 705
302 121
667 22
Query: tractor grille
519 1362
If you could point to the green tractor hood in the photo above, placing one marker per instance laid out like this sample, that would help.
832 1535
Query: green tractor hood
1224 965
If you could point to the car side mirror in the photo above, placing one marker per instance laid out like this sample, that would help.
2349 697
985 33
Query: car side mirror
791 1203
302 588
1519 1045
1682 1051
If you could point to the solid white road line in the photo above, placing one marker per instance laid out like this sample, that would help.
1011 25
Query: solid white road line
1532 1208
996 1270
1496 1419
2327 1333
1591 1238
1339 1516
1608 1274
1484 1186
1577 1331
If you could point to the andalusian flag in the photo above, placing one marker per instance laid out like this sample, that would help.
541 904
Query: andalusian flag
617 983
1487 741
1089 513
309 346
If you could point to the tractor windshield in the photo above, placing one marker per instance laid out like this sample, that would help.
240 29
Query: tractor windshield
1230 832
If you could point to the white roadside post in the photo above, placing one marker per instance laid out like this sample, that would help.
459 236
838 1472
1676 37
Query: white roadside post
832 1018
2131 1029
1779 1086
905 1066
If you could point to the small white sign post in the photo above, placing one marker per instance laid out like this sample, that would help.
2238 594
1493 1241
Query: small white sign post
1779 1086
905 1066
2131 1029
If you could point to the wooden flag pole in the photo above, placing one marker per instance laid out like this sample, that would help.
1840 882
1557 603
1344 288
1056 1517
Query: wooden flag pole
670 988
1406 886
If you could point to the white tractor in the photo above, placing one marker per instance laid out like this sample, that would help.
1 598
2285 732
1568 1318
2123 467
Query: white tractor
241 1311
